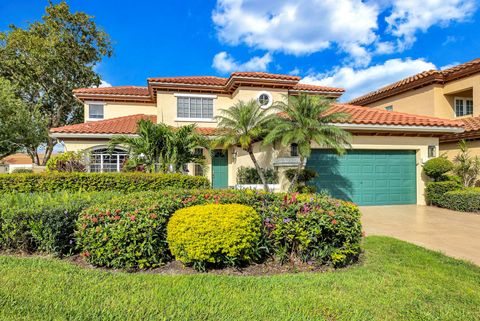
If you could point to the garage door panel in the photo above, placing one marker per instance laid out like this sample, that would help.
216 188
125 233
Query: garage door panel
367 177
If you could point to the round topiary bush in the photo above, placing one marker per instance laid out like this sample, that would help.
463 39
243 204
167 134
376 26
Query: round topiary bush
436 168
214 234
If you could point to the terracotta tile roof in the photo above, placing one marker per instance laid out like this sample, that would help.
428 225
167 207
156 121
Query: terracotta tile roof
264 75
193 80
421 79
315 88
20 159
116 126
119 125
471 126
370 116
118 90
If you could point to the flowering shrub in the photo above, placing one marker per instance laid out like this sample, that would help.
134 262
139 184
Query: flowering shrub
214 233
307 227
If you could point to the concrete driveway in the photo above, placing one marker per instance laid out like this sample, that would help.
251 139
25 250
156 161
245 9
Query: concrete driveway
453 233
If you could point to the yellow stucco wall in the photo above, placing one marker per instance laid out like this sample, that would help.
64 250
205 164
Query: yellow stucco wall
451 149
167 104
113 110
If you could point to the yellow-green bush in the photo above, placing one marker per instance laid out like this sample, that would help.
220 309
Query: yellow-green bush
214 233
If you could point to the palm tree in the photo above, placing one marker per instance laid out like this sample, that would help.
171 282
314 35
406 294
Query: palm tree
181 147
305 119
149 146
242 125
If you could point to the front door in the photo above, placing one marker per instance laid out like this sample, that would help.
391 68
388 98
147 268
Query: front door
219 168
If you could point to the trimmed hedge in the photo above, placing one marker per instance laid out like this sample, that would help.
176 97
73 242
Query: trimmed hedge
214 233
312 228
91 182
434 191
466 200
43 222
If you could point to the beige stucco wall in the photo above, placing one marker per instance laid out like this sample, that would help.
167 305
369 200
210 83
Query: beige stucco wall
113 110
167 104
451 149
80 145
435 100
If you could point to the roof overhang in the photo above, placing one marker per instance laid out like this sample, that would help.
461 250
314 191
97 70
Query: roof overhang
88 135
400 128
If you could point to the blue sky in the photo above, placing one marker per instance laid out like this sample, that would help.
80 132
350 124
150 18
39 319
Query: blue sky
358 45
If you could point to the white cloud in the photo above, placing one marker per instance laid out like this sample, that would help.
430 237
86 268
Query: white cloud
360 81
104 83
301 27
294 72
409 16
225 63
298 26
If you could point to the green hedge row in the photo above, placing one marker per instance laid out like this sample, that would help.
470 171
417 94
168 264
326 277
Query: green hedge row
43 222
434 191
465 200
91 182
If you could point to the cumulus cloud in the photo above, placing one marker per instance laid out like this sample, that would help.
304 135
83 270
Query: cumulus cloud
360 81
104 83
302 27
225 63
409 16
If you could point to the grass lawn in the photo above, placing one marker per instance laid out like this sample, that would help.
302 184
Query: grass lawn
397 281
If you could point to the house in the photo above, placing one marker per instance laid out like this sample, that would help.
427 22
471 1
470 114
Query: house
19 161
452 93
383 166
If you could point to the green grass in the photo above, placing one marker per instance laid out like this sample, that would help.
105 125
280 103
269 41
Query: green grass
397 281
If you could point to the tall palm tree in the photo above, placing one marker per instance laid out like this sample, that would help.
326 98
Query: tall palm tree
181 147
242 125
305 119
150 145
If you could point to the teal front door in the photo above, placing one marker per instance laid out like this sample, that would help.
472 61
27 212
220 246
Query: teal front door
367 177
219 168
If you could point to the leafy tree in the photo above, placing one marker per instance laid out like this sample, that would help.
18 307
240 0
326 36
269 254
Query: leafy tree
242 125
21 128
305 119
49 59
149 146
466 166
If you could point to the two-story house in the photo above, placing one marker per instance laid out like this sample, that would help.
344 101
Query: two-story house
383 165
452 93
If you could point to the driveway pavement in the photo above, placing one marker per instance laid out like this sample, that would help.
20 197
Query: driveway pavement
453 233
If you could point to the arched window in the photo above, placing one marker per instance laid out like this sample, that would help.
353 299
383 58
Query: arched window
102 160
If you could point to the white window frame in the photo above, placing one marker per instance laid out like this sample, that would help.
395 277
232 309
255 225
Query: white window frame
464 101
99 103
103 155
270 99
200 120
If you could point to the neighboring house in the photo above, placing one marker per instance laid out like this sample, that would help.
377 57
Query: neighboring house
19 161
383 167
452 93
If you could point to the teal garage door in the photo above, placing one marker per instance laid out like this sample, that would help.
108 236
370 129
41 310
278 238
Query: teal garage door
366 177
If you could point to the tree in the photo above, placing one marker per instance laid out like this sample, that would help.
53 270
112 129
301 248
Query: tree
242 125
21 128
466 166
49 59
181 147
149 146
305 119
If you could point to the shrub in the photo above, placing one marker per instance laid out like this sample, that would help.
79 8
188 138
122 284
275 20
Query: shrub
66 162
127 232
321 230
249 175
22 170
214 233
436 168
467 167
304 177
466 200
42 222
123 182
434 191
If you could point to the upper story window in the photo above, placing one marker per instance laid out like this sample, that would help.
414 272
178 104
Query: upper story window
195 107
264 99
95 111
389 108
463 106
